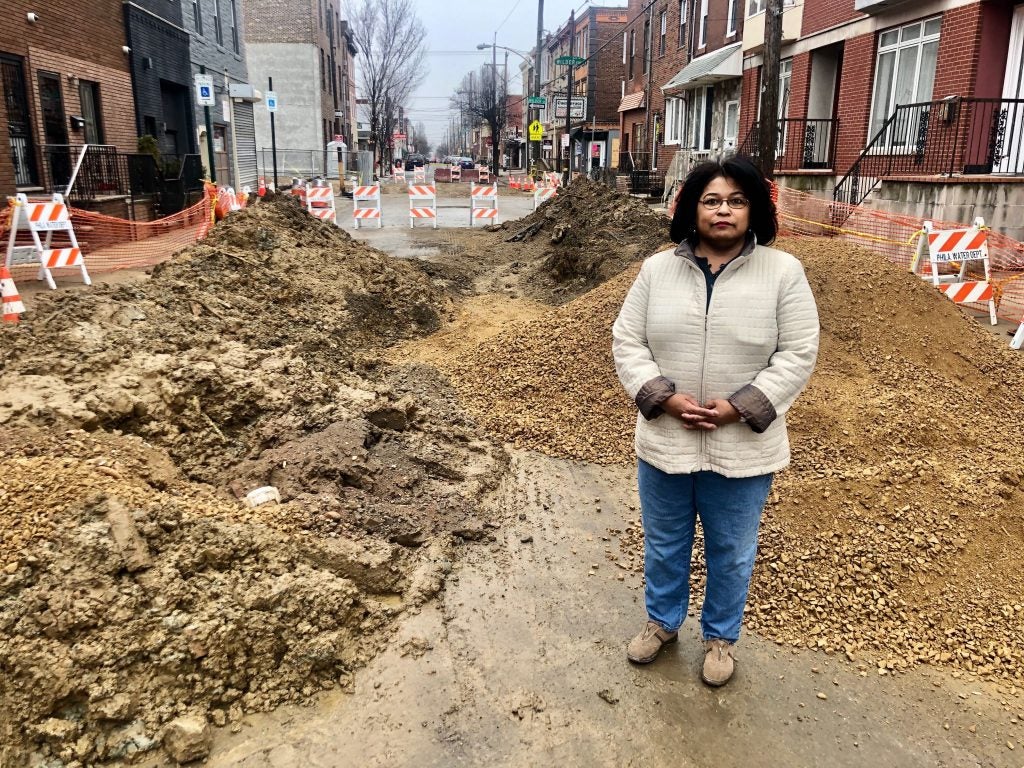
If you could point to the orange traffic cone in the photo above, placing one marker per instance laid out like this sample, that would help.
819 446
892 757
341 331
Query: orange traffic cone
12 306
262 190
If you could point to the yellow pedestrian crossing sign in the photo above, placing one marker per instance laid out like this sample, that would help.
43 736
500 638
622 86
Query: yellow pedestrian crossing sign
536 131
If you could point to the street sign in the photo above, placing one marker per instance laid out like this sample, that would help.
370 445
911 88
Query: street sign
536 101
536 131
570 61
204 90
271 99
579 107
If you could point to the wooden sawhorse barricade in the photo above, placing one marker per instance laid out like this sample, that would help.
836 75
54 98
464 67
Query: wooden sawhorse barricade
44 217
956 246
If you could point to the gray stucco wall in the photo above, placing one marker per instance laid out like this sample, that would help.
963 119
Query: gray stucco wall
295 68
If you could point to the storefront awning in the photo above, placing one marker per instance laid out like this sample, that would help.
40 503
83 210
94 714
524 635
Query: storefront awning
632 101
723 64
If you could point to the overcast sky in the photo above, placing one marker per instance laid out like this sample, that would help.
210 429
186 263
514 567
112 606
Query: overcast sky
455 27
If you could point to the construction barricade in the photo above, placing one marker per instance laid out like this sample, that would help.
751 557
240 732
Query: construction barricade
366 205
958 248
1018 338
398 174
543 194
422 203
455 172
419 176
12 306
483 203
44 217
320 203
482 175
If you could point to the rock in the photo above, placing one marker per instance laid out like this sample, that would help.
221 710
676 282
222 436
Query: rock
187 739
118 708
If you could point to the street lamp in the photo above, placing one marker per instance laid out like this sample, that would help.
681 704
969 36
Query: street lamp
529 63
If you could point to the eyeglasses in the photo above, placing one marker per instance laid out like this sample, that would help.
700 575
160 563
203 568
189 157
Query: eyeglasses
714 203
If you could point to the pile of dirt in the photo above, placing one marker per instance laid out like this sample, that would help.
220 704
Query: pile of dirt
135 587
896 534
571 244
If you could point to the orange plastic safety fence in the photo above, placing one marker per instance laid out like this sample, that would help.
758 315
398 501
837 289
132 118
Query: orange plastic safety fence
110 244
895 236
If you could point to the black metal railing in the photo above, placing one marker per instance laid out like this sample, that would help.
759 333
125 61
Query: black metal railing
104 171
939 138
803 144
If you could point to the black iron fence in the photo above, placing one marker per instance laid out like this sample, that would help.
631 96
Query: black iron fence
954 136
103 171
802 144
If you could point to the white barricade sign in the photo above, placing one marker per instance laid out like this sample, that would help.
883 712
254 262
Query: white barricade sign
1018 338
542 194
482 176
366 205
320 203
44 217
11 301
483 203
419 176
957 247
399 173
422 203
455 172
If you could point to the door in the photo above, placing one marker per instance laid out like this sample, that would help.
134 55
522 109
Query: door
1012 154
19 126
55 131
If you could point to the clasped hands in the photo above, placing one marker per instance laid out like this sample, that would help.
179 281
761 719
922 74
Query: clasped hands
712 415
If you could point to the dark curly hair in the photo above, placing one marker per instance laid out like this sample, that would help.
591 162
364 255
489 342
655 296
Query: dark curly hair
747 176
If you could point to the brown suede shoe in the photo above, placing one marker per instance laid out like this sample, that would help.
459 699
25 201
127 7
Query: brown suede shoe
719 661
644 648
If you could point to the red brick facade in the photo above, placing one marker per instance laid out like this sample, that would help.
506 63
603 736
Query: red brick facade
825 14
959 52
78 42
855 85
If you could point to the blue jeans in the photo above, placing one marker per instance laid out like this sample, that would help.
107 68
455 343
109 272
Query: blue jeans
730 511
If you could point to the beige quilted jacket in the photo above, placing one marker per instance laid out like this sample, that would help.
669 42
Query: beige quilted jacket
755 345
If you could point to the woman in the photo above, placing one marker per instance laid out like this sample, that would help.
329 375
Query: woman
714 342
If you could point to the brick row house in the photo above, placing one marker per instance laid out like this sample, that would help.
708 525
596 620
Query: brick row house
913 107
65 78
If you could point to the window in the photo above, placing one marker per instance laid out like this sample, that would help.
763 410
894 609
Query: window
625 47
702 40
647 45
675 120
197 14
904 73
758 6
234 27
323 71
732 124
633 50
89 97
217 31
734 12
664 30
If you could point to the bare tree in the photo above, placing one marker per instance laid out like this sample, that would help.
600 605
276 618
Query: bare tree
421 144
482 99
392 49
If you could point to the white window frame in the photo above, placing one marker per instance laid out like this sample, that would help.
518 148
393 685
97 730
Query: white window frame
785 86
683 12
730 28
697 118
663 34
900 145
625 46
755 7
675 120
702 38
730 140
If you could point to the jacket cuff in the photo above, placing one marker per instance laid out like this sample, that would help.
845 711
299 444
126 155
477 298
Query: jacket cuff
754 407
652 395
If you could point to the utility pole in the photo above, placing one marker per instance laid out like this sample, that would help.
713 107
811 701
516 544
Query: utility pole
536 72
495 149
769 124
649 96
568 99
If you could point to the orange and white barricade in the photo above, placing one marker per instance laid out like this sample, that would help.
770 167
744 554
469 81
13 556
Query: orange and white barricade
12 305
366 205
422 203
957 247
455 172
483 202
1018 338
419 175
44 217
543 194
553 179
398 173
320 203
482 174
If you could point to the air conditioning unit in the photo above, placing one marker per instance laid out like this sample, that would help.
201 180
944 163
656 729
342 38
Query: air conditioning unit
244 92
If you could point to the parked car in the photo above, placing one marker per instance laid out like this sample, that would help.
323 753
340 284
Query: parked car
467 163
414 161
